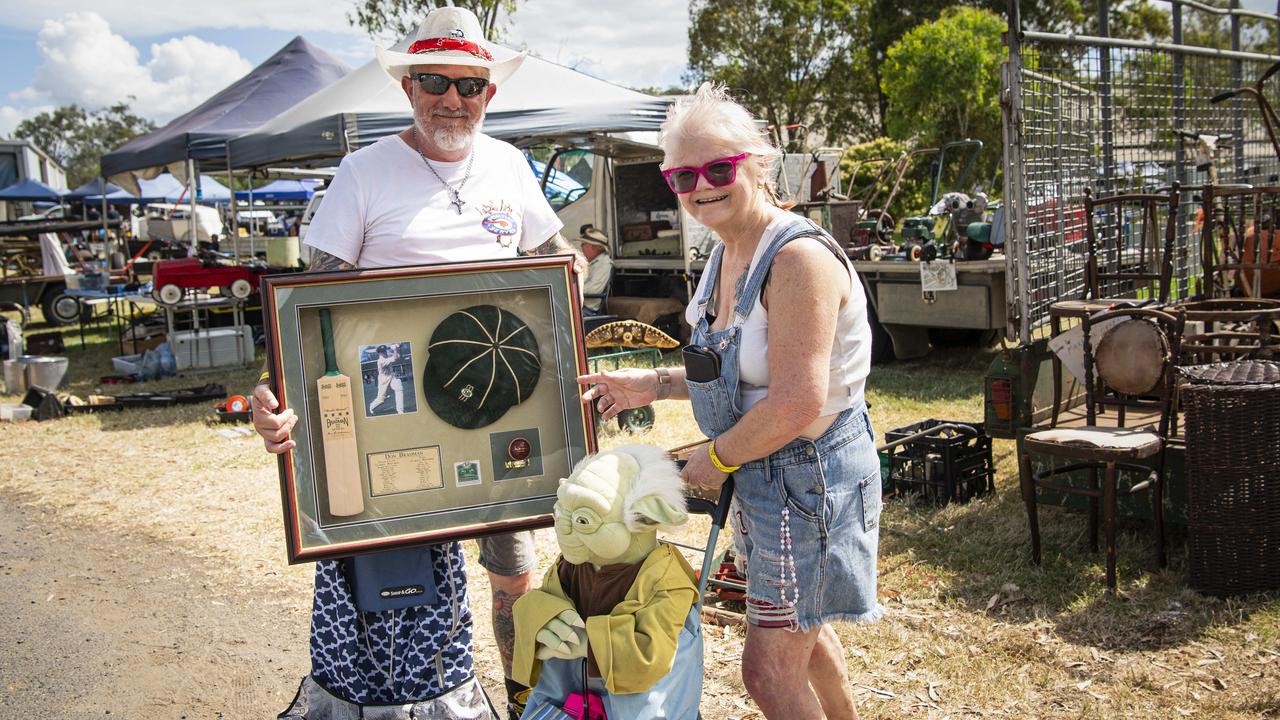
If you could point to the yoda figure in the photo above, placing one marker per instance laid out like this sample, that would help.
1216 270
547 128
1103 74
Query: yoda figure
617 608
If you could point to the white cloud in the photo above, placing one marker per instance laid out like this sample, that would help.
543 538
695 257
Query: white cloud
11 116
140 18
631 43
84 62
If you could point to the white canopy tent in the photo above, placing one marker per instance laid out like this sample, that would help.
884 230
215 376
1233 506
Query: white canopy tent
540 98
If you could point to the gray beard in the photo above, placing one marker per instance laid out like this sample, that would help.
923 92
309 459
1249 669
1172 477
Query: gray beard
449 139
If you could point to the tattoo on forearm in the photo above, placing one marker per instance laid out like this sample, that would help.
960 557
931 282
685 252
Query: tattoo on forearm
557 245
504 626
321 260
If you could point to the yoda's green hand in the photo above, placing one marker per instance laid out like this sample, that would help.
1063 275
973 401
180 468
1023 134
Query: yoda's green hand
563 637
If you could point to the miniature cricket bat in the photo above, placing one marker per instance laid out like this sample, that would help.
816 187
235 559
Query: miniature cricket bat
338 431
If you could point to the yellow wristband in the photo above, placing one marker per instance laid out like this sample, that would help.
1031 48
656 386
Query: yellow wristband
715 460
266 375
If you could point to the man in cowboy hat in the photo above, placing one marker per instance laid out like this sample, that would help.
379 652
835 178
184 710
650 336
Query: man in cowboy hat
595 247
439 191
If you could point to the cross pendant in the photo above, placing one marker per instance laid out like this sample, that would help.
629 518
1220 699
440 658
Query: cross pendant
458 203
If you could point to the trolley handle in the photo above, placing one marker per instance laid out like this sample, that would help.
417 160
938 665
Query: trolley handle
958 427
717 509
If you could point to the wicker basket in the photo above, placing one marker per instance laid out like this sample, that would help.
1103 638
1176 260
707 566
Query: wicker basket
1233 476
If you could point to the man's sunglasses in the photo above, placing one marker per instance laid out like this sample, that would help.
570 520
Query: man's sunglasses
439 84
719 173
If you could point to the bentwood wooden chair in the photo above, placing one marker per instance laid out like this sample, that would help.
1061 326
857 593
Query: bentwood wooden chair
1132 368
1235 311
1129 254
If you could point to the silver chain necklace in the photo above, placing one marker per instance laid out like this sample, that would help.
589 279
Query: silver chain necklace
454 193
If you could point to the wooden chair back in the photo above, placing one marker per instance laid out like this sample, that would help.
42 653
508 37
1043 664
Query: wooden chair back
1130 239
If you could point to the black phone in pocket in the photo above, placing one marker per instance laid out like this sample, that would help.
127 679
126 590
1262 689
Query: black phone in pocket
700 364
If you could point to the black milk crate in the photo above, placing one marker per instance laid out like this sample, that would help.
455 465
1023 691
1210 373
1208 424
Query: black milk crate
951 466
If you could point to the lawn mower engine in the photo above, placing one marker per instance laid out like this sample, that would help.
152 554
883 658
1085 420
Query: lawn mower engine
872 237
965 225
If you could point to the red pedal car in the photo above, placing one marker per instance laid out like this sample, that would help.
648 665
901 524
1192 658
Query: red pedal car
171 279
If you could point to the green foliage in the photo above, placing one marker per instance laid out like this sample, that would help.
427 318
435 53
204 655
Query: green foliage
78 139
821 63
942 81
869 170
401 17
1214 31
1134 20
791 62
663 92
942 78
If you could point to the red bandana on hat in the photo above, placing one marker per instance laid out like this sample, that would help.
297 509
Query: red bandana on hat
447 43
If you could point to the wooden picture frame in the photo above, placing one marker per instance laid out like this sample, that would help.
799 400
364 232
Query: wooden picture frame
464 409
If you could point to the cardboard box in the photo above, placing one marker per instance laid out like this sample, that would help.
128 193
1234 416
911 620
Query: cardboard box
137 347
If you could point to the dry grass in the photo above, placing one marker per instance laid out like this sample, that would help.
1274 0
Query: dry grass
973 630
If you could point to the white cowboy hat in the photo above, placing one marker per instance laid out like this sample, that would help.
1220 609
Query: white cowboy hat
450 36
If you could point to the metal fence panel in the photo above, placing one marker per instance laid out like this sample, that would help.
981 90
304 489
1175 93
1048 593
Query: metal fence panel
1086 112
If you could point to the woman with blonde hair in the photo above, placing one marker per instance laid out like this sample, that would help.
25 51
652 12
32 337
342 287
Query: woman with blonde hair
780 355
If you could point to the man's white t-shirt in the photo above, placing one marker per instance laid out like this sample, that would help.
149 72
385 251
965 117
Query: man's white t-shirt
385 208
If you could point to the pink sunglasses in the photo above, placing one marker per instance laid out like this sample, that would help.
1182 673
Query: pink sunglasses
719 173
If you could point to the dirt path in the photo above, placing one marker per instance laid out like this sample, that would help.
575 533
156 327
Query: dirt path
134 629
142 564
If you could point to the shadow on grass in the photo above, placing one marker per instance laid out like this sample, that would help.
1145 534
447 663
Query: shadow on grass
978 555
945 375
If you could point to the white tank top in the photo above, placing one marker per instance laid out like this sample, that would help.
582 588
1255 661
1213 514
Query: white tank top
850 360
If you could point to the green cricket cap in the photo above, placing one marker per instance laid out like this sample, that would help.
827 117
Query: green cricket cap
481 362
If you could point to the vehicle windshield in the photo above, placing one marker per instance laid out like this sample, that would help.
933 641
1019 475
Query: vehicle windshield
570 177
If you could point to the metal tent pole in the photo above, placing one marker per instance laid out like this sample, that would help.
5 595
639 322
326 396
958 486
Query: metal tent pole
106 241
192 226
253 219
235 224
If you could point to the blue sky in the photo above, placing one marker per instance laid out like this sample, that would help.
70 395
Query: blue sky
171 55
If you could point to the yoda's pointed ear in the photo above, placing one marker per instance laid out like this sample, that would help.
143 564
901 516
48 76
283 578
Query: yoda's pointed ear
657 510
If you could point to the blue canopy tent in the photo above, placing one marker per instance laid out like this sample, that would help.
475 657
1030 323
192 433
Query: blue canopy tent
31 190
119 196
295 72
94 189
167 188
98 193
281 190
198 139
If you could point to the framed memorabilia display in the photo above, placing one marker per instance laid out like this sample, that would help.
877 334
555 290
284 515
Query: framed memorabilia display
434 403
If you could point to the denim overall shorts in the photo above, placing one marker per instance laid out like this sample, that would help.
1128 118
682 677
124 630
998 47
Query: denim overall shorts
806 518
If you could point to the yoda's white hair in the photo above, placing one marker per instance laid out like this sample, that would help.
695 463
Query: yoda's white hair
711 116
658 476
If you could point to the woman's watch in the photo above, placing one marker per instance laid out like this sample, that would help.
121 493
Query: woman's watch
664 383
